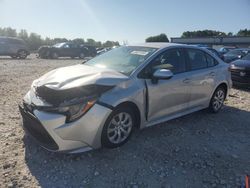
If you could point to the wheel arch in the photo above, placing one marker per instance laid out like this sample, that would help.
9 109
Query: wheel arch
221 84
225 86
135 109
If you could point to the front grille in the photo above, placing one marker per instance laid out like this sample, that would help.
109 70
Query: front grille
36 129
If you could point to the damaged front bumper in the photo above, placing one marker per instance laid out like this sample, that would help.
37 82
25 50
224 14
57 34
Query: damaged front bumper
54 134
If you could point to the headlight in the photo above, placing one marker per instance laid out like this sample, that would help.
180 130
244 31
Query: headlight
74 112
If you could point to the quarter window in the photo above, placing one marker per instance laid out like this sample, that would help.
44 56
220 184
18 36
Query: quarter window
210 61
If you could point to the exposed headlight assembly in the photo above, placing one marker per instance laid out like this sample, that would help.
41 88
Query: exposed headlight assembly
75 111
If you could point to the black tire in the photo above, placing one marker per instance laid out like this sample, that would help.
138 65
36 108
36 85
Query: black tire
217 100
81 55
105 138
22 54
54 55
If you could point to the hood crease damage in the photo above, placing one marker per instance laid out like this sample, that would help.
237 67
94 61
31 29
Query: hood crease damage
78 82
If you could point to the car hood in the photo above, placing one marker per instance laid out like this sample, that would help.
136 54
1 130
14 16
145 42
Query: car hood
231 55
241 64
78 81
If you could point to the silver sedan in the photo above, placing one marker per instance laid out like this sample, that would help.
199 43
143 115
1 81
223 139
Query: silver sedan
100 102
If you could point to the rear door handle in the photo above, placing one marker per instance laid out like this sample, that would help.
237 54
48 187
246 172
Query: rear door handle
186 81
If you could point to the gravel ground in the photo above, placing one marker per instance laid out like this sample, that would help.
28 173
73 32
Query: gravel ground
198 150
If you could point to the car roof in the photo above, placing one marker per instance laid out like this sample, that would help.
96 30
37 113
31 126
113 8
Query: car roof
158 45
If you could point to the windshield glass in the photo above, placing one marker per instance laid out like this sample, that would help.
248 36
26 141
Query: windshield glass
59 45
123 59
247 57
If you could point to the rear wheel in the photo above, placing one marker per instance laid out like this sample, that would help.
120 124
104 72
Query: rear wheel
22 54
217 100
118 127
13 56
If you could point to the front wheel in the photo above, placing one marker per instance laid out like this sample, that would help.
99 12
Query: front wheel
217 100
81 56
118 127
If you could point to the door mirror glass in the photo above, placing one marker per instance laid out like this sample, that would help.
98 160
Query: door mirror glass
163 74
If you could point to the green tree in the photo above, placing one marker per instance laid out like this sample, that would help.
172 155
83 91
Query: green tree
90 42
202 33
23 34
8 32
78 41
158 38
244 33
110 44
34 41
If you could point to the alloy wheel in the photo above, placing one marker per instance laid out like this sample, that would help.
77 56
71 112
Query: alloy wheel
119 128
218 99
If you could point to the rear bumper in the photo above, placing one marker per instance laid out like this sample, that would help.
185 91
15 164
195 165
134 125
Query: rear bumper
52 133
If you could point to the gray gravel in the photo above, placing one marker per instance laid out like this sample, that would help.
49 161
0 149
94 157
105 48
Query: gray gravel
198 150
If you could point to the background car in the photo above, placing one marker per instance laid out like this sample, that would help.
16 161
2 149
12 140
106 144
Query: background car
102 50
14 47
240 71
226 49
66 49
215 52
235 54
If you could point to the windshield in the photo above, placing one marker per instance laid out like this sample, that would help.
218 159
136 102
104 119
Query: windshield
123 59
247 57
59 45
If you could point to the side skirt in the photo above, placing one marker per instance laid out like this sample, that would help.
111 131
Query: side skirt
173 116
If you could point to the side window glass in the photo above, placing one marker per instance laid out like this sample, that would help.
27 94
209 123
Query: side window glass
210 61
173 60
197 59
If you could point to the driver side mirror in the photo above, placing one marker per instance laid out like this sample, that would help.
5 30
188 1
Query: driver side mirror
162 74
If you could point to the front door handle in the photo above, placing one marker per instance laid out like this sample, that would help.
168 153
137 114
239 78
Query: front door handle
186 81
211 74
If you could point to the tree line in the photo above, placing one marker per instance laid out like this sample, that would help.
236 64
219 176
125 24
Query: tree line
200 33
213 33
34 40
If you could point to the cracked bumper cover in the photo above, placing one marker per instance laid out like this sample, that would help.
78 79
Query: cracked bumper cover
54 134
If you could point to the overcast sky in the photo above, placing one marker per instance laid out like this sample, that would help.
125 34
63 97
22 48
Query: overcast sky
119 20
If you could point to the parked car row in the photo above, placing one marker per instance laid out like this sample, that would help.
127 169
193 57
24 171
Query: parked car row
66 49
235 54
17 48
240 71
